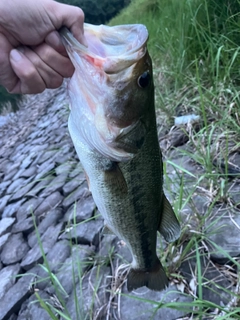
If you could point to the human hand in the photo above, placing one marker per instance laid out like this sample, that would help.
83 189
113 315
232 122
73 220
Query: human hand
32 56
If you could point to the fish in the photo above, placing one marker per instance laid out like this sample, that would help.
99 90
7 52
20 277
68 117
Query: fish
112 124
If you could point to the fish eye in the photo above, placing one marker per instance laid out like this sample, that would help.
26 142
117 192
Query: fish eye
144 79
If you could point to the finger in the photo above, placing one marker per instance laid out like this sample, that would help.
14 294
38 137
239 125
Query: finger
29 80
8 78
62 65
71 17
50 77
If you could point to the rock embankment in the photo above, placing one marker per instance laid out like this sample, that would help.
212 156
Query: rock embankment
51 245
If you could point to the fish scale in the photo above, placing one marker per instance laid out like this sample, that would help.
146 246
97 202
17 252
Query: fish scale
124 172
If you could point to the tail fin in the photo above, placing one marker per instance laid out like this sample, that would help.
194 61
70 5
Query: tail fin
154 279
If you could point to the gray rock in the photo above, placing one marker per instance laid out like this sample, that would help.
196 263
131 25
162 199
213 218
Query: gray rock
26 226
15 185
14 249
137 309
78 169
6 225
92 295
4 201
32 310
224 232
28 185
50 154
28 160
7 278
48 239
86 232
81 191
37 148
28 173
13 299
45 169
74 267
58 255
11 209
44 183
10 175
50 219
56 185
28 208
64 168
3 240
49 203
74 183
3 187
81 211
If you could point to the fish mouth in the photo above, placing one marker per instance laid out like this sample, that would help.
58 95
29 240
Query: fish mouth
112 49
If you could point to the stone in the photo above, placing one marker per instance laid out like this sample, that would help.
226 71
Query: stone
46 156
28 160
7 278
45 169
14 249
77 170
48 239
49 203
86 232
92 294
214 282
11 209
4 201
26 226
73 183
56 185
58 255
81 211
10 175
81 191
135 308
64 168
4 239
6 225
33 310
15 296
50 219
15 185
28 173
74 267
224 232
41 185
28 208
3 187
37 148
28 185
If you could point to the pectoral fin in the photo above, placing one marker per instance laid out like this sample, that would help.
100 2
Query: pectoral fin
115 179
169 225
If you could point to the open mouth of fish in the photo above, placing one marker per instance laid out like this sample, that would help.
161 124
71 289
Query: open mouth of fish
112 49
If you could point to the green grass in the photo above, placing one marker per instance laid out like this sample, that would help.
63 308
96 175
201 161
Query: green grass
195 49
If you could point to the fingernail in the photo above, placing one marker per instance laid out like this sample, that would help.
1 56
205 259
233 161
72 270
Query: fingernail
15 55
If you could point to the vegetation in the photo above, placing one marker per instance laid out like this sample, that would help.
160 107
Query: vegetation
195 49
8 101
98 12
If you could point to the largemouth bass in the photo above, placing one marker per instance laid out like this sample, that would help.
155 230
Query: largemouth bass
113 127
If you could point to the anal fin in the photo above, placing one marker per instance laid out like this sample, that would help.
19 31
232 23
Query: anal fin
169 226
